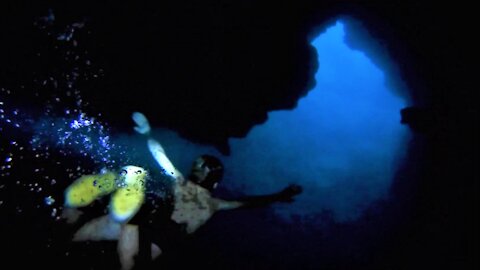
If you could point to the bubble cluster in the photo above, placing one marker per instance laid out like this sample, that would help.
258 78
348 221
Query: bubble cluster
49 200
81 135
47 118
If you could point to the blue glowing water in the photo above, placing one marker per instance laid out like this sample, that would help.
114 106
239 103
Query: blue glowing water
343 142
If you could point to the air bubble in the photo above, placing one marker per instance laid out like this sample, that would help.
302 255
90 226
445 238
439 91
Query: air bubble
49 200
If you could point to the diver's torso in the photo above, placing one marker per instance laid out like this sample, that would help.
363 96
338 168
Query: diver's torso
192 206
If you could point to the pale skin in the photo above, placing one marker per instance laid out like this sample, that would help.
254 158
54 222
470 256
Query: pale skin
193 205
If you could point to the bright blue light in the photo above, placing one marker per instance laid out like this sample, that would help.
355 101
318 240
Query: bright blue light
342 142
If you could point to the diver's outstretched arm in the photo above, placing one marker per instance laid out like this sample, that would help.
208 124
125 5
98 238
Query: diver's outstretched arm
155 148
286 195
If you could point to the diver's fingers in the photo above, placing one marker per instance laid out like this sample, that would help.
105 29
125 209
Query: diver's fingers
143 127
296 189
292 190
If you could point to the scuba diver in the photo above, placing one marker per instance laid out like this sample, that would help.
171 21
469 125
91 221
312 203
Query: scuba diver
145 229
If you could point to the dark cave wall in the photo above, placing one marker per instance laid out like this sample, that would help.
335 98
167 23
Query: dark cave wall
212 70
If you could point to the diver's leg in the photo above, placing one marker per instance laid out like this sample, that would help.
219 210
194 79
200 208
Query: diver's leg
155 251
128 246
102 228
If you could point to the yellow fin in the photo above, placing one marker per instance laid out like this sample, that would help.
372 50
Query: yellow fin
87 188
127 199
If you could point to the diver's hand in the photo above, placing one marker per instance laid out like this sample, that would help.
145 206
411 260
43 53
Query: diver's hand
141 121
287 194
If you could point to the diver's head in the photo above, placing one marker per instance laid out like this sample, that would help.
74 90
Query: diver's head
207 171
